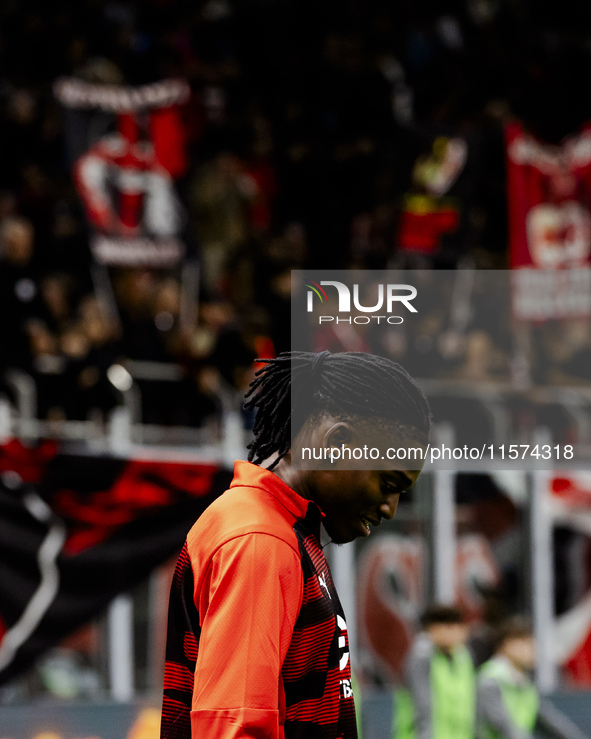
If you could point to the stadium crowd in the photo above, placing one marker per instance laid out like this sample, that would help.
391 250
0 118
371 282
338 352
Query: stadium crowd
311 131
314 132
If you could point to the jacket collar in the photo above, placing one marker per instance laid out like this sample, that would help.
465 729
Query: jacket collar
251 475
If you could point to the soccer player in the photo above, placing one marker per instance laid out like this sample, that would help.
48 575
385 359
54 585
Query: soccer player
257 639
508 704
439 701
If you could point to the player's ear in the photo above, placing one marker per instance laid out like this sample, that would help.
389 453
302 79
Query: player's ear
337 434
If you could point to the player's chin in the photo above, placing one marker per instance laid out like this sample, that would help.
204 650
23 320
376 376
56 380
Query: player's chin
342 532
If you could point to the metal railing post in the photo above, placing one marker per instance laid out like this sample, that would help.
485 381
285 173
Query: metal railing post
121 657
26 401
443 524
344 575
542 571
5 420
120 430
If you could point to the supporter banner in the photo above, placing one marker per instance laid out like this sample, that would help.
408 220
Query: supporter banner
432 220
570 507
126 147
568 504
391 595
75 531
539 295
549 202
549 190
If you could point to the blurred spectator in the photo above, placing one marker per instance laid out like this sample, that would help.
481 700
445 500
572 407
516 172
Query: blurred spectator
482 360
367 136
440 695
563 352
135 290
509 706
221 194
19 289
166 308
239 345
57 296
214 318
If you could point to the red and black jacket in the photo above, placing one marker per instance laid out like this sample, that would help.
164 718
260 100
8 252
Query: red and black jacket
257 640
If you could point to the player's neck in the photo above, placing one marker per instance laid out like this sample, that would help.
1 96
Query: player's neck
295 479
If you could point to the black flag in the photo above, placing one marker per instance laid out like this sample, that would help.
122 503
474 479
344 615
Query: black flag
75 531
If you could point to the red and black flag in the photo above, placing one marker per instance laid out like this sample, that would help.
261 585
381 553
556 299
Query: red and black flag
549 206
77 530
126 147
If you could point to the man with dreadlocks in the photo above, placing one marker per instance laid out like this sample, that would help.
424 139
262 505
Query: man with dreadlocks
257 640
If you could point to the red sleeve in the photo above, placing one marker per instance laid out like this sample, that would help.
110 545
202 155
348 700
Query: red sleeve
249 601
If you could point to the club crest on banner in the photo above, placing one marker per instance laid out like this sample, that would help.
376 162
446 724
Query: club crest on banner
126 148
549 224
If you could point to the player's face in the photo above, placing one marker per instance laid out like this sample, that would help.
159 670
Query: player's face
354 501
353 496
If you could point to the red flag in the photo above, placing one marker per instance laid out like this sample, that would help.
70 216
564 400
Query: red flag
549 191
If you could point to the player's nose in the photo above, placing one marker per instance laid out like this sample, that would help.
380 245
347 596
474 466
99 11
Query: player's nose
388 509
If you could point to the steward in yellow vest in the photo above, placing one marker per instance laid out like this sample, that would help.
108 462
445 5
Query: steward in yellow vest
508 704
439 701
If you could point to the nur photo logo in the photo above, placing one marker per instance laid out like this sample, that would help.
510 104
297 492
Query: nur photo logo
368 300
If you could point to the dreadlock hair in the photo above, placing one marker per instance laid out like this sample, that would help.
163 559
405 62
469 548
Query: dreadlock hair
295 385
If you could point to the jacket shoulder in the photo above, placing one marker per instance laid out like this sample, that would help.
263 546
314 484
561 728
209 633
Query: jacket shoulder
238 512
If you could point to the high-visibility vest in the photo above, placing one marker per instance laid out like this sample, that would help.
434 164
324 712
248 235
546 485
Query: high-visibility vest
357 695
453 699
520 700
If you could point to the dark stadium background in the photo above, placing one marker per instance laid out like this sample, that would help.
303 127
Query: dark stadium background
307 133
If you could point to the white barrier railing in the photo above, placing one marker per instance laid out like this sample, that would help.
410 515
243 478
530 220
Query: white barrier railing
125 435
